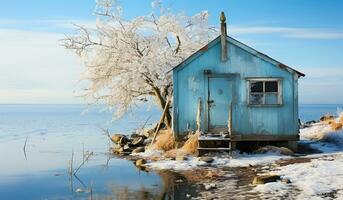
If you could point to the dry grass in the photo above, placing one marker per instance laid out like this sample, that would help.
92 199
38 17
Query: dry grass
192 144
199 175
165 141
190 147
335 125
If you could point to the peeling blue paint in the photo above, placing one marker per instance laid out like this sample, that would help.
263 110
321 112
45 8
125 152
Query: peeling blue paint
228 83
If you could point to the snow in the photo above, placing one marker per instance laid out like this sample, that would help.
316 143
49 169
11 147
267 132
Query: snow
239 160
148 154
322 177
315 179
275 188
315 132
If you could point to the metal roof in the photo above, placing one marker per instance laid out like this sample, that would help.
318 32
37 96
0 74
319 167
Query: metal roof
244 47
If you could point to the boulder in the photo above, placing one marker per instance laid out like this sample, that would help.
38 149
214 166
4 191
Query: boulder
118 150
147 141
281 150
209 186
180 157
116 138
138 150
140 162
134 135
286 180
327 117
123 140
206 159
267 178
127 147
137 141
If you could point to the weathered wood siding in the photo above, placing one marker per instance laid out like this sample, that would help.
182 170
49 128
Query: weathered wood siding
190 86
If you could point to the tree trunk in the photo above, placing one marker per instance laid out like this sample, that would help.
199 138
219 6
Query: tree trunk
162 102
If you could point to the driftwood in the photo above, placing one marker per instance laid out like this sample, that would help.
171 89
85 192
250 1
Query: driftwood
24 148
161 120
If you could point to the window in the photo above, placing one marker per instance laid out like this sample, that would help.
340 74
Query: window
264 91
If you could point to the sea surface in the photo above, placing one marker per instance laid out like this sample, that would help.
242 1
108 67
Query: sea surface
52 133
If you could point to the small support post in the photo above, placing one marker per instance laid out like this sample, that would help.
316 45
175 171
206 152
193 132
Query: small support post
198 118
229 123
229 126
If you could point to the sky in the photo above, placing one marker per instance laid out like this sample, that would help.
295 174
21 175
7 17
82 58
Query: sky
304 34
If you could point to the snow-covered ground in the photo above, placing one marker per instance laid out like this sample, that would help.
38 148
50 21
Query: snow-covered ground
320 178
238 160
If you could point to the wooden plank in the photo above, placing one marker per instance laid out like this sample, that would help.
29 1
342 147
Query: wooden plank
213 139
257 137
161 120
215 149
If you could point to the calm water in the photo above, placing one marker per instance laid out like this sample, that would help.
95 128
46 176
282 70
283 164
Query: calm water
53 132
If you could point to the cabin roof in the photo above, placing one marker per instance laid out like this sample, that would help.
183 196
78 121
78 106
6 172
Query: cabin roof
242 46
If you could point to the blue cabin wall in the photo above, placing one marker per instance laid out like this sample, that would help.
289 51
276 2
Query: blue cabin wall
190 85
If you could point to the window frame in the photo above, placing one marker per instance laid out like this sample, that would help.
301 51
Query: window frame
279 93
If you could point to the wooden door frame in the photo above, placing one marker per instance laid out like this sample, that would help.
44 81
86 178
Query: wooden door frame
231 76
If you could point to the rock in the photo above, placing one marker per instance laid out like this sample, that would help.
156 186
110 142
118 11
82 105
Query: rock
206 159
118 150
140 162
147 141
327 117
138 150
281 150
147 133
307 124
265 179
123 140
180 157
209 186
286 180
127 147
286 151
137 141
310 122
134 135
116 138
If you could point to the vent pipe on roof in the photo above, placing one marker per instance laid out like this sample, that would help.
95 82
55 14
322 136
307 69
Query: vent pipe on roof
223 37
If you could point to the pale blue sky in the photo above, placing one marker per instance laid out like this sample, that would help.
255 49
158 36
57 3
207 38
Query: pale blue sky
306 35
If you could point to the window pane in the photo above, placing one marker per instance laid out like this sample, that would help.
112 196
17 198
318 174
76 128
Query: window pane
271 86
256 98
256 86
271 98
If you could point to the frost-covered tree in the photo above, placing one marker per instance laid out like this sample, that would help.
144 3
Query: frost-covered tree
127 61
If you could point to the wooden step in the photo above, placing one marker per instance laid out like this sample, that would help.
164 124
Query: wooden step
204 138
215 149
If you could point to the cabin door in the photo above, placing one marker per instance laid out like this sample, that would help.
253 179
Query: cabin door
219 101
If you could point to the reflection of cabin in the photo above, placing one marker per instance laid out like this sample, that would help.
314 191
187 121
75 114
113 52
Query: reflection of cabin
241 92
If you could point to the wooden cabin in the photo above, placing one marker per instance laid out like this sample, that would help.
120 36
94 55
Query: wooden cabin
237 92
